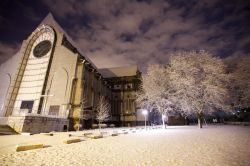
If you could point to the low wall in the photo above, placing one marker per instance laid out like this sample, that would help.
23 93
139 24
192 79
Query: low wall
238 123
37 124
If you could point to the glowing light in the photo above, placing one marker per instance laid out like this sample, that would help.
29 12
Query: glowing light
144 112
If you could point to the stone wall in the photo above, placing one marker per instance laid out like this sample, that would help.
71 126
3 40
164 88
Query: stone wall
61 76
16 123
38 124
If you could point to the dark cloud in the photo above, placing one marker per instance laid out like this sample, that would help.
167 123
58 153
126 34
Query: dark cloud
127 37
7 50
146 24
118 32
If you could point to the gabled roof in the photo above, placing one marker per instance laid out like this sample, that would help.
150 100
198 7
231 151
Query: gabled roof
118 71
50 21
105 72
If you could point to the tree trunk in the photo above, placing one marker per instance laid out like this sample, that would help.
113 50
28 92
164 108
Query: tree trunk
79 124
200 121
99 126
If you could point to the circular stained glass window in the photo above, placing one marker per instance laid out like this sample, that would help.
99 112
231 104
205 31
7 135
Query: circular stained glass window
42 48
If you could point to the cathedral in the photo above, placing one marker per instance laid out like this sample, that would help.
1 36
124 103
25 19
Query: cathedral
50 85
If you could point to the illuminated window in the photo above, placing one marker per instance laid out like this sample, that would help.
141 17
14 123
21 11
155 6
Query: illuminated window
128 86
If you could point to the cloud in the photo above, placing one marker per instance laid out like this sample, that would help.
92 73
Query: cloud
7 50
119 32
63 8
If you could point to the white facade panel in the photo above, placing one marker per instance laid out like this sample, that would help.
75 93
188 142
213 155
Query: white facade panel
31 87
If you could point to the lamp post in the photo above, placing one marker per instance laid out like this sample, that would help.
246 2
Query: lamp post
145 113
163 120
45 102
45 96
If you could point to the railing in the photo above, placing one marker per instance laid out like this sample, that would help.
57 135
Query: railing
238 123
41 115
25 112
3 120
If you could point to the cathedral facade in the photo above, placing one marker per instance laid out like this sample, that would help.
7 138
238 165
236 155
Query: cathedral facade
50 85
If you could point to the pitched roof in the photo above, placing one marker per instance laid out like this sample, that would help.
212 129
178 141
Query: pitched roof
118 71
105 72
50 21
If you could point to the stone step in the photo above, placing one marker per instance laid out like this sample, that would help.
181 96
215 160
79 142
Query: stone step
87 134
114 134
96 136
73 140
47 134
28 147
26 133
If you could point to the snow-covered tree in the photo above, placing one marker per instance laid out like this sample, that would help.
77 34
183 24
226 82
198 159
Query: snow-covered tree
155 90
239 69
200 83
82 112
164 106
193 82
103 110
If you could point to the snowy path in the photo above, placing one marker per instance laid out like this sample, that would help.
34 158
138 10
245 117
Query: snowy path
184 145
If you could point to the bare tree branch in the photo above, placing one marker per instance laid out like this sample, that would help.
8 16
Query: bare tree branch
103 110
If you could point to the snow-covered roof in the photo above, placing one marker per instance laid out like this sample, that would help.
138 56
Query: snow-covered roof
118 71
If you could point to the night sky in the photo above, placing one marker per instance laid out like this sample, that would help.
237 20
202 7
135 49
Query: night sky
121 32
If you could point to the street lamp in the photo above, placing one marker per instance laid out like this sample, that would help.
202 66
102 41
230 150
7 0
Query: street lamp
145 113
163 120
45 102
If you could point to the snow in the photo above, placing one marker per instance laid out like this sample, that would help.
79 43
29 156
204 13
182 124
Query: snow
182 145
193 82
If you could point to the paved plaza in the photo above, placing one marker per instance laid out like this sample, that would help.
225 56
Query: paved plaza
176 145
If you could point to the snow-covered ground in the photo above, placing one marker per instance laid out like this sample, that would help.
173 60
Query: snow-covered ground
183 145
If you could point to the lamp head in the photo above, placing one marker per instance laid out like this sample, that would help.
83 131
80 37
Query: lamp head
144 112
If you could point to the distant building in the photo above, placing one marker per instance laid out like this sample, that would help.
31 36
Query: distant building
50 83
